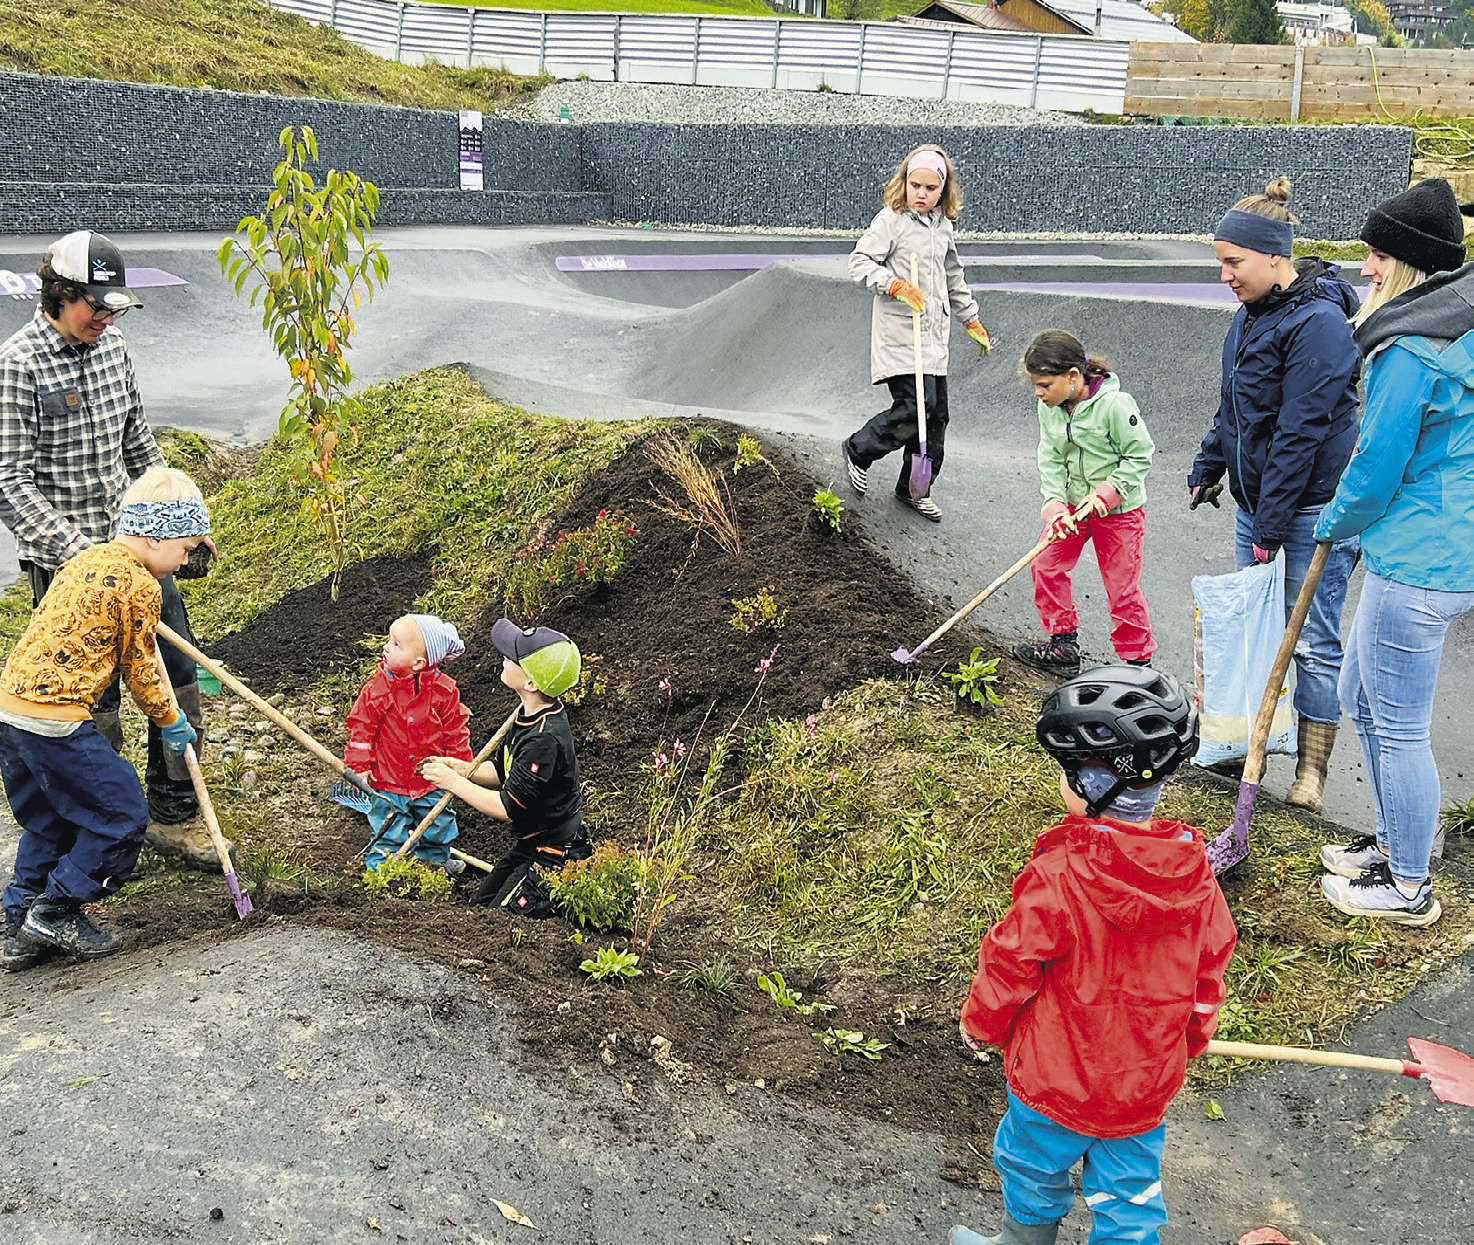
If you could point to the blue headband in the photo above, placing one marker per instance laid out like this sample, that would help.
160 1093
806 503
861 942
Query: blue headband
1132 804
165 520
1255 233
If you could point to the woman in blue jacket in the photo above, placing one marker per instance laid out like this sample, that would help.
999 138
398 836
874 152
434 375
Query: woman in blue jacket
1285 428
1409 494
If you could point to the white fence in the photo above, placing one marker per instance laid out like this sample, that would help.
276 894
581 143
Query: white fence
1042 71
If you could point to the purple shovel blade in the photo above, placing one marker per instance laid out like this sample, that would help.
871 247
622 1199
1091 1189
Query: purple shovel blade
1232 845
920 475
243 907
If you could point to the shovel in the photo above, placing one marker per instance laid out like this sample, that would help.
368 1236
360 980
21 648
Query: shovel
920 463
905 658
1449 1072
241 900
1232 845
245 693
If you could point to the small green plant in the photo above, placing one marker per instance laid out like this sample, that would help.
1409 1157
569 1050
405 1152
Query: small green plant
1459 818
717 979
591 680
756 612
612 964
268 865
598 893
406 878
976 680
828 507
852 1042
585 555
777 990
703 437
749 453
824 87
1262 970
1360 948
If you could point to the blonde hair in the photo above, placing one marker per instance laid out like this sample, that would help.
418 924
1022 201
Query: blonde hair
161 484
1400 278
1273 203
895 189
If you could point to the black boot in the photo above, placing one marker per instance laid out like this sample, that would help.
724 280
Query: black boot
19 951
62 924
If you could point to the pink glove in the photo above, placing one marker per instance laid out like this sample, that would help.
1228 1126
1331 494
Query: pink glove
1059 520
1101 502
1264 555
907 293
979 334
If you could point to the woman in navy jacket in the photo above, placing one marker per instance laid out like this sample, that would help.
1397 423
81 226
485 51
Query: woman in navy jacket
1285 429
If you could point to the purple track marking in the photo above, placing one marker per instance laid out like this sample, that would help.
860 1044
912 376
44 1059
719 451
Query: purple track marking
1148 291
26 284
735 263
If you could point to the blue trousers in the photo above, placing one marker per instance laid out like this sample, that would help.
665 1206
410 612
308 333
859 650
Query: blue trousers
82 813
1121 1180
394 818
1318 653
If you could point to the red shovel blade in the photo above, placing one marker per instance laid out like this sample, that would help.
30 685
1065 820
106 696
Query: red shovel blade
1449 1072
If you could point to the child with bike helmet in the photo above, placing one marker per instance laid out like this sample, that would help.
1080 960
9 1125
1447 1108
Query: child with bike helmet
1105 975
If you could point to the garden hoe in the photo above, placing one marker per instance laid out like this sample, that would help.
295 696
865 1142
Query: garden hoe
241 900
1232 845
1449 1072
256 702
920 463
905 658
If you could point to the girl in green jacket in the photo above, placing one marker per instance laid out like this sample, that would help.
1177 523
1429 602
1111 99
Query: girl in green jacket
1094 453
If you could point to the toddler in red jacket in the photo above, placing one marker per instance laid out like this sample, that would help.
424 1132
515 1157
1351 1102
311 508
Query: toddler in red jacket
408 711
1105 975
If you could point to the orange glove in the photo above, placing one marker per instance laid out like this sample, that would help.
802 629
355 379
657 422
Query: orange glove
979 334
1101 502
907 293
1059 520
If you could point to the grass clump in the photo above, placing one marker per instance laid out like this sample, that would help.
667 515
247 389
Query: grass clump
232 45
717 979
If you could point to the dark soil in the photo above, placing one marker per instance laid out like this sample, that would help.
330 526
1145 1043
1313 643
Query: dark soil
664 617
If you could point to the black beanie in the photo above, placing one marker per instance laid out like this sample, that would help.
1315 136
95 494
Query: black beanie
1422 227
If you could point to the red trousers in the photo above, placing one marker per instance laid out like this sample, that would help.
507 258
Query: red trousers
1120 542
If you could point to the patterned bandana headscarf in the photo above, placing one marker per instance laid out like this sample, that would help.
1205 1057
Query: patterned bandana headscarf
442 640
165 520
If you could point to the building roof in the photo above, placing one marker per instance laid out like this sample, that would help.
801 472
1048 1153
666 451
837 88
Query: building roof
1120 19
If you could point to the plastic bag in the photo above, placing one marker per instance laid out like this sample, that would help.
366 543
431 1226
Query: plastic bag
1238 623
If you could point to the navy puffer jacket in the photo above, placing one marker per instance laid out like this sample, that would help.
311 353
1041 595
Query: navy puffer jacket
1286 422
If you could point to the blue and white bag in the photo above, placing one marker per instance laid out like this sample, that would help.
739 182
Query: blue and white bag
1238 623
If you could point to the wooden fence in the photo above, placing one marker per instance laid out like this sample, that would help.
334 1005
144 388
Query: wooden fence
1268 83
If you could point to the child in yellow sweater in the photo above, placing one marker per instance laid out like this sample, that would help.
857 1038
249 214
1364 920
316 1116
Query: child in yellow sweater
79 804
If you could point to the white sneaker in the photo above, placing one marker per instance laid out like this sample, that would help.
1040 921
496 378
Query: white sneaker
925 507
859 476
1375 894
1351 860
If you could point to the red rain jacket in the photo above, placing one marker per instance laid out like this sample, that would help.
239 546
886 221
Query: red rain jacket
1105 975
397 722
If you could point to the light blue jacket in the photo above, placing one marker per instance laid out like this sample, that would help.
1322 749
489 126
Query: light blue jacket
1409 488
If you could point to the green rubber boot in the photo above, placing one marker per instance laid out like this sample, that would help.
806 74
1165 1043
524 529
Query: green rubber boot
1012 1233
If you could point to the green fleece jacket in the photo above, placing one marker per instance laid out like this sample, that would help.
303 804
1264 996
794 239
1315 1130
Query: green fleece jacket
1102 441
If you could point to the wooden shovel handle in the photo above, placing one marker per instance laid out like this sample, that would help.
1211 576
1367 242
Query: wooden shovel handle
476 762
1259 735
1298 1054
916 357
251 698
967 609
207 810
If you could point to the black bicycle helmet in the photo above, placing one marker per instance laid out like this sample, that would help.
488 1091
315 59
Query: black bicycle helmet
1133 720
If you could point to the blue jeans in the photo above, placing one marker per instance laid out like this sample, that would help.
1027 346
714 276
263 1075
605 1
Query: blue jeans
81 811
1121 1179
1387 684
1318 653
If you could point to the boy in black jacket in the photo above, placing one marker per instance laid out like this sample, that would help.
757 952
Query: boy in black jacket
535 783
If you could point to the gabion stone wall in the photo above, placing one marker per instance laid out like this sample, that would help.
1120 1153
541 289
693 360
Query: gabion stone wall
1016 179
120 156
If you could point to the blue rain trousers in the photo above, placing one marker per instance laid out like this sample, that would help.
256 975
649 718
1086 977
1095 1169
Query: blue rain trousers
393 819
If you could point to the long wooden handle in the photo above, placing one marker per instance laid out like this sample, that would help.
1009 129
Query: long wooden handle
983 595
1298 1054
476 762
916 352
1259 735
251 698
207 810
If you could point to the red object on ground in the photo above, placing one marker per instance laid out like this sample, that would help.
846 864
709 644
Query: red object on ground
1266 1236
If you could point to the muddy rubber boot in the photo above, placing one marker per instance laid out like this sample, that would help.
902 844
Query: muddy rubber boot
110 727
61 923
189 841
20 952
1012 1233
1315 741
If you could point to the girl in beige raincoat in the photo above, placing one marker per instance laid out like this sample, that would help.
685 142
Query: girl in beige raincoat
922 200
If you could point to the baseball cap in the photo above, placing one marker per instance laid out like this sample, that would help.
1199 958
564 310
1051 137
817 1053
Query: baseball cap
94 263
549 657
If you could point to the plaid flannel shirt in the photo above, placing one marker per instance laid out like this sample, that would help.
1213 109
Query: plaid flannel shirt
72 437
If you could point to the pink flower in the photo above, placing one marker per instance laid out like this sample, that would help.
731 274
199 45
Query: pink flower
664 686
811 724
679 749
762 666
659 762
833 777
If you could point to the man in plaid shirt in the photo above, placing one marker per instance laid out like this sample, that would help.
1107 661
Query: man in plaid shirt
73 436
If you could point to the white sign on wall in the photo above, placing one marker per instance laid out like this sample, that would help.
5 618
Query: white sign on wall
470 149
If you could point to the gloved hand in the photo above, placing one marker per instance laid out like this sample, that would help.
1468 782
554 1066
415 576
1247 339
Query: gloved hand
907 293
1197 494
1264 556
177 735
1059 519
1101 502
979 334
